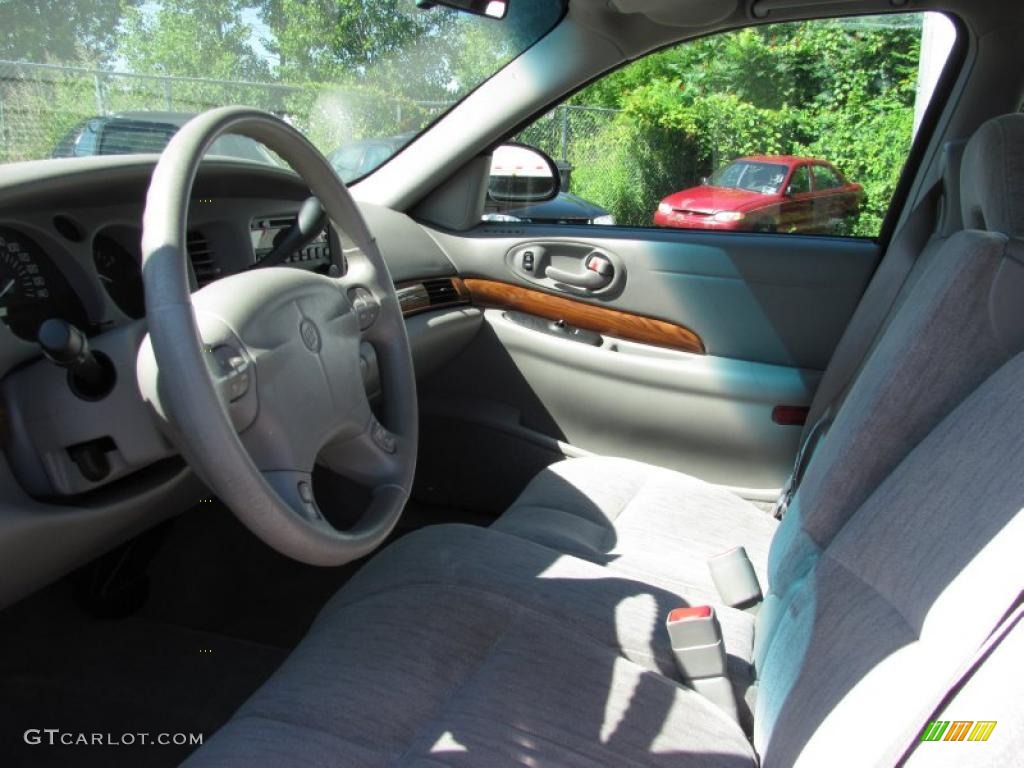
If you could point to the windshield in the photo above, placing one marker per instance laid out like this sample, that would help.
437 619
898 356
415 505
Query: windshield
361 78
765 178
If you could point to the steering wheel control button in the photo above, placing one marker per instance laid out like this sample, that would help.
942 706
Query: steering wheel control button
365 305
233 371
382 437
309 507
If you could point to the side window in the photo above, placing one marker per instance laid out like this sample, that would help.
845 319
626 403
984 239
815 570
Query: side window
801 182
825 178
85 143
375 155
703 135
346 161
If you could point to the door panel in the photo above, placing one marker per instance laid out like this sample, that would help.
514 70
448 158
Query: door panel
704 415
776 299
735 325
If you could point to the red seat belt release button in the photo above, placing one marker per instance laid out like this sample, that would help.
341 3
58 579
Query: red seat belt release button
697 612
696 639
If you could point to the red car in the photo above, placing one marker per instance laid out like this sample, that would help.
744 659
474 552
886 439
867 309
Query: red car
765 193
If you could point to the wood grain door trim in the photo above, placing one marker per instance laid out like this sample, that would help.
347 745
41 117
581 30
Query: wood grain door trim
604 320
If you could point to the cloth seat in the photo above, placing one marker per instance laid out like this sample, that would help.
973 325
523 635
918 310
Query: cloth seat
427 675
621 613
650 523
411 665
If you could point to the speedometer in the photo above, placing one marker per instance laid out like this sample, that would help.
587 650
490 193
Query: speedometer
32 289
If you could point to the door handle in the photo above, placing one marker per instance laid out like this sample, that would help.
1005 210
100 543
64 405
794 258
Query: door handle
597 272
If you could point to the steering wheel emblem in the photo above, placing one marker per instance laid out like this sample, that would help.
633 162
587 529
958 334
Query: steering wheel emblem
310 335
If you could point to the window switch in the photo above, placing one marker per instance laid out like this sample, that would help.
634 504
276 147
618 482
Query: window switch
528 261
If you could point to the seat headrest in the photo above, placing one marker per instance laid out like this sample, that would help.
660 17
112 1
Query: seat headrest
992 177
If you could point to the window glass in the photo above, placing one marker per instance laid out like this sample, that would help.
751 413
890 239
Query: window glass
702 135
341 71
346 161
376 155
124 138
825 178
750 176
801 182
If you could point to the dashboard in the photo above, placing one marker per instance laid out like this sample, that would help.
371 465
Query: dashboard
81 474
70 233
83 264
34 287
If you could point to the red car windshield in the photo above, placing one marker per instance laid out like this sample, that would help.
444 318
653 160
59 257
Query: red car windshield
765 178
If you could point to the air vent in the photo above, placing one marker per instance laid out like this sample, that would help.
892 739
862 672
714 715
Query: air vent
430 294
203 264
441 291
276 222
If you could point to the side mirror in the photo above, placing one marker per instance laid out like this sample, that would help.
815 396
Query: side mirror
522 174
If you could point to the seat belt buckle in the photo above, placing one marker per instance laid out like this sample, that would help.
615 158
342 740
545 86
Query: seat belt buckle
696 639
735 578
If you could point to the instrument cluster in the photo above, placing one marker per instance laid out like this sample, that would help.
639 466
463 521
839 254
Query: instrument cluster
34 287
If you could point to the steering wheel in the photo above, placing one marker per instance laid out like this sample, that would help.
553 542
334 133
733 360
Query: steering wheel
257 376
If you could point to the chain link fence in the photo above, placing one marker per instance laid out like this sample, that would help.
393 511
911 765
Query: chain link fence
566 133
41 103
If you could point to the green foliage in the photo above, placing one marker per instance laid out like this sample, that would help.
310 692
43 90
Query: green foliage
844 92
47 30
185 38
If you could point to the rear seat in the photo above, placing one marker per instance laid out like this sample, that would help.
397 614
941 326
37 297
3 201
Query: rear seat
946 336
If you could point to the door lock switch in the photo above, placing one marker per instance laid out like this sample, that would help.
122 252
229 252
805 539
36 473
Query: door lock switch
599 263
528 261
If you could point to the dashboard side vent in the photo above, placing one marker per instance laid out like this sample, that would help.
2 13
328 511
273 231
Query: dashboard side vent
429 294
201 255
441 291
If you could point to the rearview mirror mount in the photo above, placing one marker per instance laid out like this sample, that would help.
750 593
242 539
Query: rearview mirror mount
492 9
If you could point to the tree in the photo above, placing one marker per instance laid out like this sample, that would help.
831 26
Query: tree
842 90
58 31
386 43
183 38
